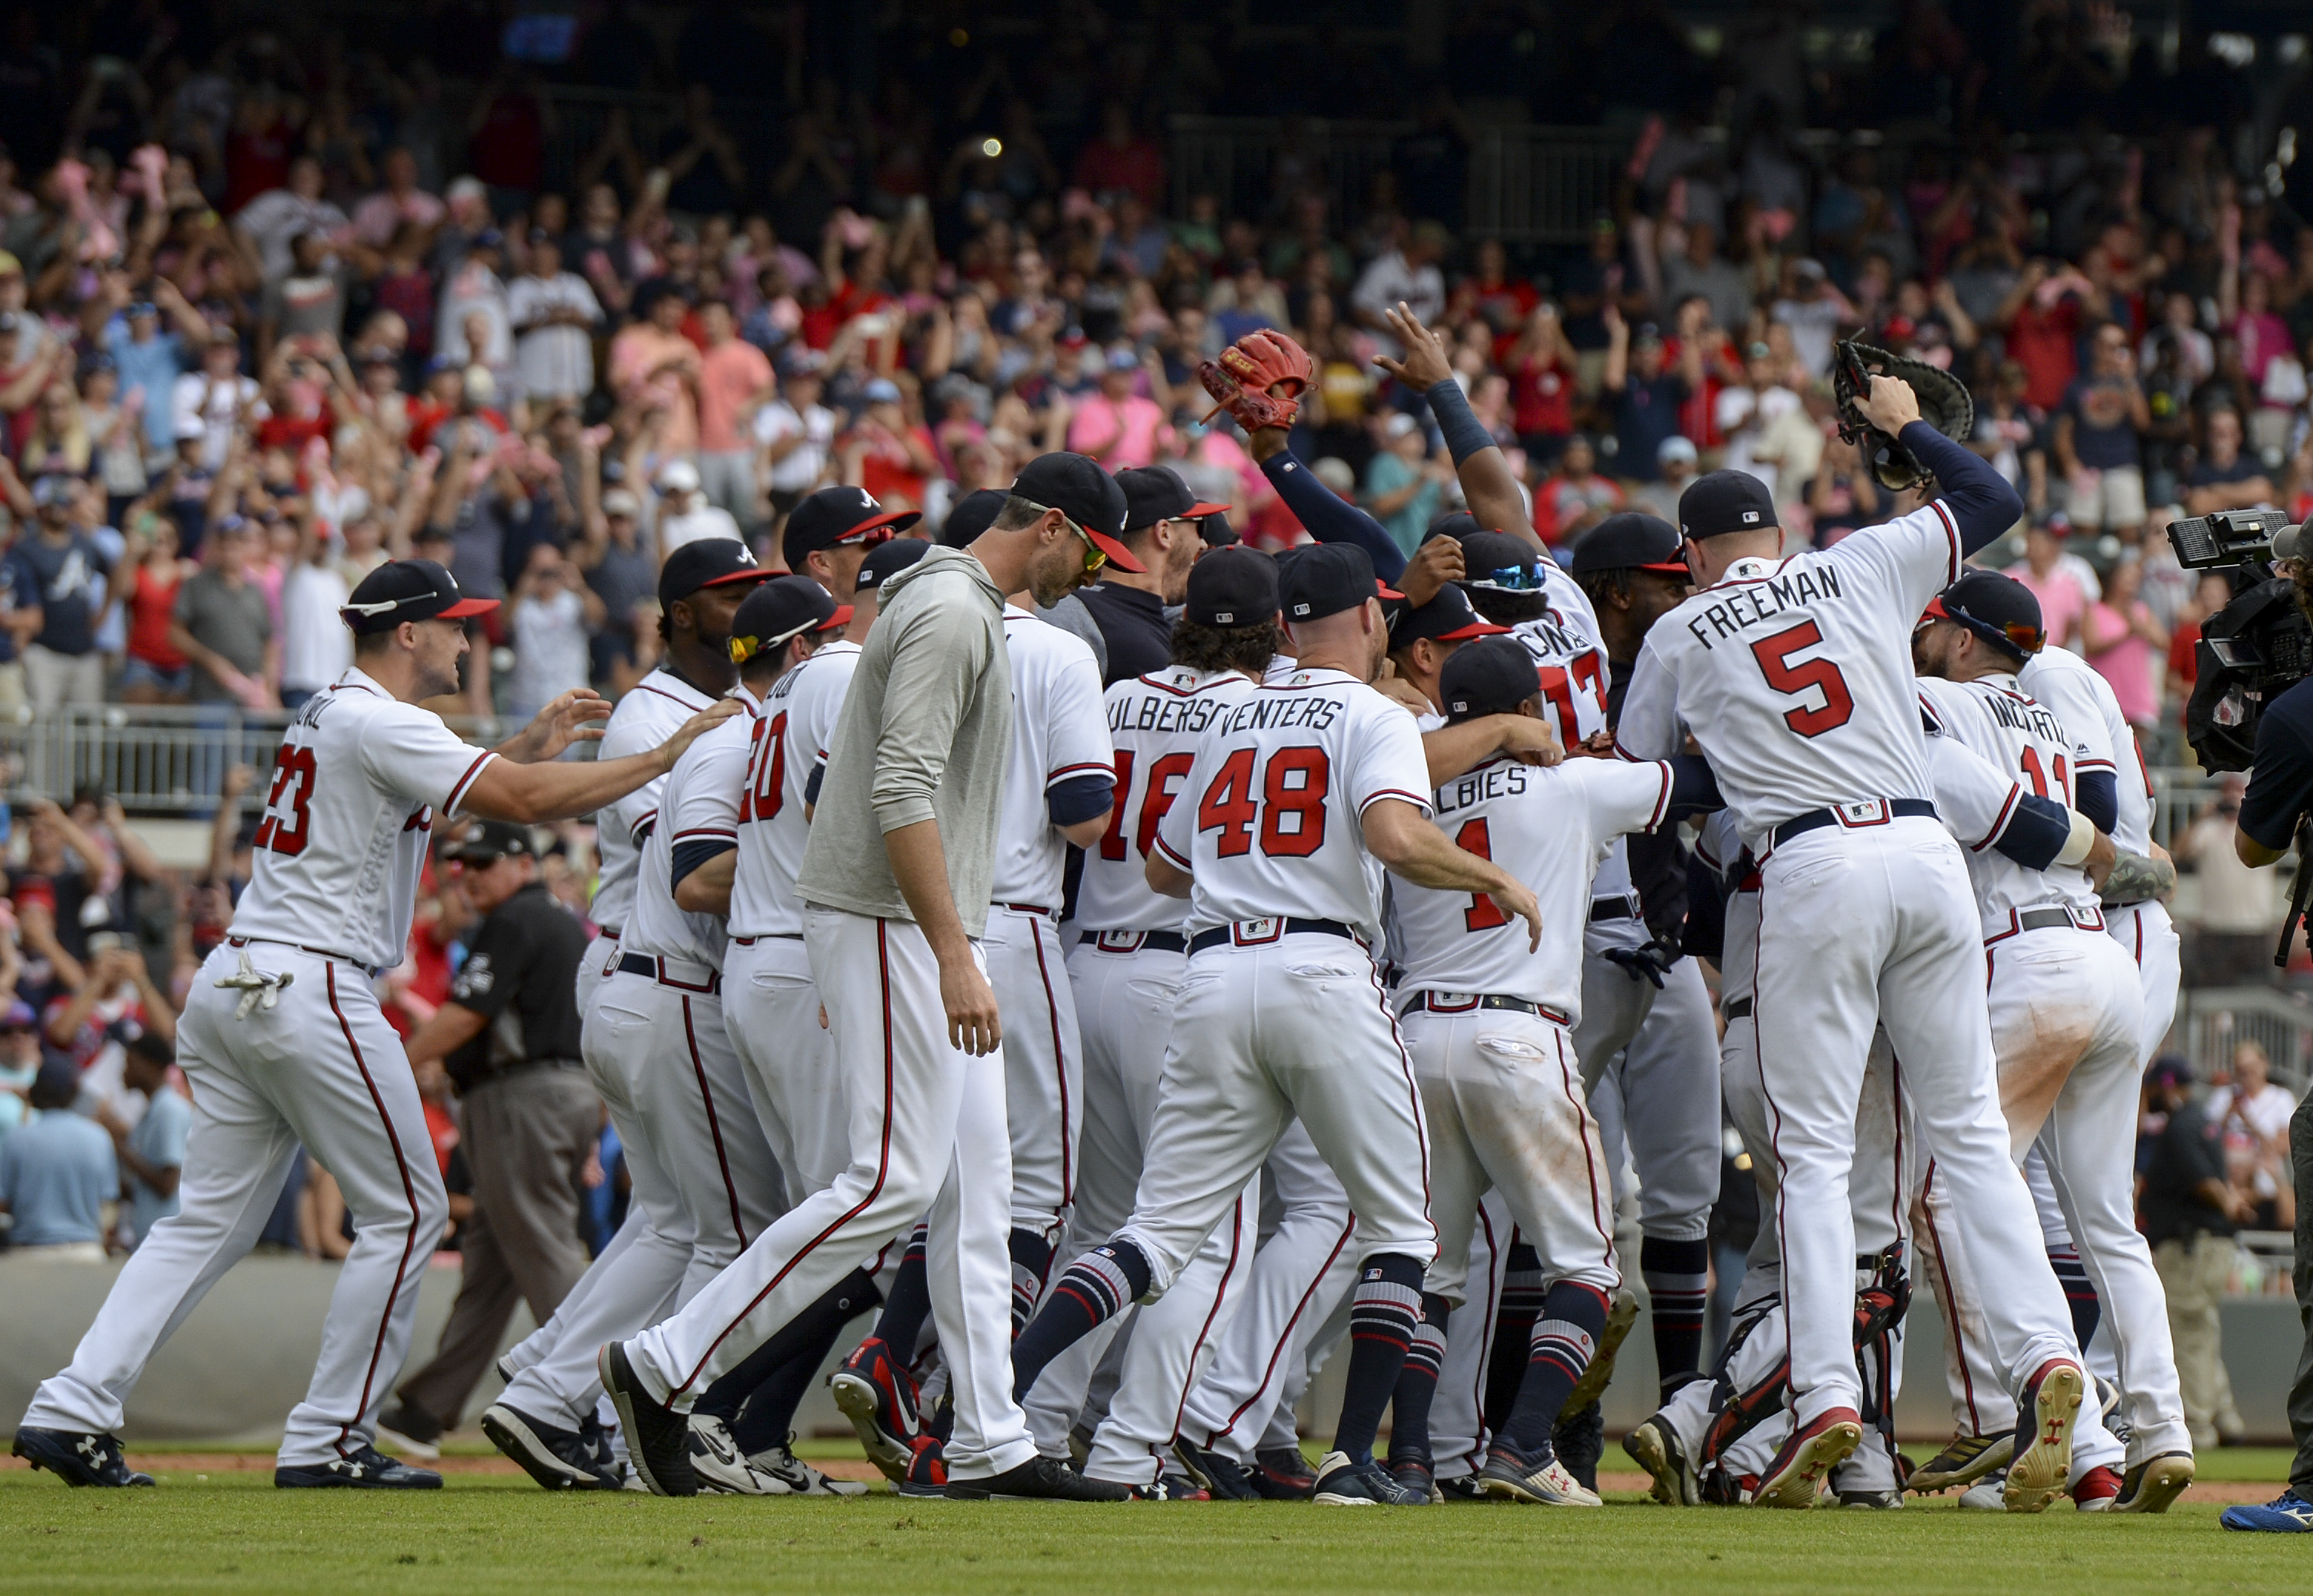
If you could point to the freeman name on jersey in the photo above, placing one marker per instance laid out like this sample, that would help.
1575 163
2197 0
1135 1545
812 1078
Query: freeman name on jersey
1757 601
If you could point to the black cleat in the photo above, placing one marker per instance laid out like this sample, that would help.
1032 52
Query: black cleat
557 1459
1578 1441
1039 1479
1281 1474
77 1459
367 1469
1172 1487
1414 1473
1343 1482
658 1438
1223 1476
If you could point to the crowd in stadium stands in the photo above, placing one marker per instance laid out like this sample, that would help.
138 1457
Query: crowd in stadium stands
271 312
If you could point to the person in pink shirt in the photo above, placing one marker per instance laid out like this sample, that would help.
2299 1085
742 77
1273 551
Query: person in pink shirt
734 381
2126 644
652 363
1116 426
2048 571
376 217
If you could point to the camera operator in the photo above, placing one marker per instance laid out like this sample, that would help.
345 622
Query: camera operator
2280 792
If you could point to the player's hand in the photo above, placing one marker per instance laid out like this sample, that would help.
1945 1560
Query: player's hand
1649 960
1515 899
571 718
1890 406
1598 745
1424 365
1528 740
1390 685
697 726
971 1005
1434 564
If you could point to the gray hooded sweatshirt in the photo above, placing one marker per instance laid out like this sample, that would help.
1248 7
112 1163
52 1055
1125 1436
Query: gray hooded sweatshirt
925 731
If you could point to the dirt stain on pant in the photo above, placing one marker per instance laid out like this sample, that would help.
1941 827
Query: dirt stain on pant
2036 1052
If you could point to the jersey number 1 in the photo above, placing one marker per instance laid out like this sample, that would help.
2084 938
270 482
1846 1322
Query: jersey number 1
1775 654
1483 913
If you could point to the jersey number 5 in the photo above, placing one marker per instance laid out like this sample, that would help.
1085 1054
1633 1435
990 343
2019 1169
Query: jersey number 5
283 829
1775 654
1291 810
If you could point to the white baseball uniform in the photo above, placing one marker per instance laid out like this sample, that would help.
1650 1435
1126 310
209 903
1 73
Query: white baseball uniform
304 1058
2083 700
2066 1011
1060 733
1792 676
769 1005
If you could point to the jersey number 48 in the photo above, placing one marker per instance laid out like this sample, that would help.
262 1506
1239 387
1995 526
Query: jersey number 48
1289 813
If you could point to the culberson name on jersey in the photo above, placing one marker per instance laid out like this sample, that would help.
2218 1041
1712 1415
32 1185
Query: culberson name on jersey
1162 714
1762 601
1269 710
1480 786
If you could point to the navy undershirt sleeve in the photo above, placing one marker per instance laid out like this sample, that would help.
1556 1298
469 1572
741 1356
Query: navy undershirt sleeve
2035 833
2096 794
1079 798
689 855
1330 517
1694 787
811 786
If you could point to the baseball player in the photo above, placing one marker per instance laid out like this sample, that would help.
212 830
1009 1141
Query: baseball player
1294 798
1711 1440
545 1417
1487 1026
895 880
2066 1013
1780 670
831 532
283 1043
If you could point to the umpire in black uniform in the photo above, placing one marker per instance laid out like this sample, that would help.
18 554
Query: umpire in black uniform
528 1119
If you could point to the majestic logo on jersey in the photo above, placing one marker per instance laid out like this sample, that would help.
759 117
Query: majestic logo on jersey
1758 602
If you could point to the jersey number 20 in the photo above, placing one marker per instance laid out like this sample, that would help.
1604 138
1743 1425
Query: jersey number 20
767 777
1291 810
1775 654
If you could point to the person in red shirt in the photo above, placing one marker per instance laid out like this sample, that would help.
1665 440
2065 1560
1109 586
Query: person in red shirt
1541 368
890 452
2042 319
1120 160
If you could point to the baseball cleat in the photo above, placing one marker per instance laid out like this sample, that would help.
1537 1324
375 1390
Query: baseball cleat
1538 1476
799 1477
1281 1474
1874 1498
2152 1484
1459 1488
1793 1478
1655 1447
2046 1417
1039 1479
658 1438
2288 1514
1343 1483
1415 1474
410 1430
879 1397
1987 1495
78 1459
594 1448
926 1470
1169 1488
1964 1460
559 1460
1579 1443
505 1369
367 1468
720 1467
1221 1475
1620 1318
2094 1491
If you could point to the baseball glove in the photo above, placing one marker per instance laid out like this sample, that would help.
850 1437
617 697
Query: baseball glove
1944 404
1258 380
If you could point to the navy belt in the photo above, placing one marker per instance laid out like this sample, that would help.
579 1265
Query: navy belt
1134 941
1257 934
641 964
1625 907
1737 1008
1434 1002
1875 811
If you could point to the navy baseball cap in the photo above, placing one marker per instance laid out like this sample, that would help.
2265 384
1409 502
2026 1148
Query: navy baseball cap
972 515
1232 587
887 560
491 841
1457 525
407 589
1325 579
782 609
707 562
1076 486
1499 560
1156 493
2000 610
840 515
1489 677
1446 618
1630 541
1723 501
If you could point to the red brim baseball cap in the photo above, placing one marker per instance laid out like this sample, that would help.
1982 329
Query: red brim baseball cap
408 590
1118 554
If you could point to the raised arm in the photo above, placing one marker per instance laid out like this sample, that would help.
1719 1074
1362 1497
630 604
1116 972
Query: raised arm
1982 504
1330 518
1487 483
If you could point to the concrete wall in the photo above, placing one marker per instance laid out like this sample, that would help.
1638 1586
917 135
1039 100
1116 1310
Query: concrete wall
242 1358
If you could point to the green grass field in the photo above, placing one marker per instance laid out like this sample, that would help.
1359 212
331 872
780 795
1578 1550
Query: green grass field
488 1534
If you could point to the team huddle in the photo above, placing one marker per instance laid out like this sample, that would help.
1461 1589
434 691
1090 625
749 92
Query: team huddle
1333 973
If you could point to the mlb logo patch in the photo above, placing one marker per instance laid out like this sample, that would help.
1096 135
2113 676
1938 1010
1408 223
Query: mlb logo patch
1750 518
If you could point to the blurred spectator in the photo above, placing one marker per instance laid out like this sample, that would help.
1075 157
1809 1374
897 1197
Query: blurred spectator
223 625
1404 483
2064 583
2128 647
57 1173
2251 1115
2236 911
734 382
152 1150
20 1054
61 568
2190 1213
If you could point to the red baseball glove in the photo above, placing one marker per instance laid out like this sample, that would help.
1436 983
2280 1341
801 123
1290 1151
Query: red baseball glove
1259 379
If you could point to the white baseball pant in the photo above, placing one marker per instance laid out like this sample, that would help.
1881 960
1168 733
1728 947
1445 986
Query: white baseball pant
1300 1024
770 1011
1043 1064
1123 992
2148 936
1303 1271
321 1068
1668 1074
1879 923
1457 1425
929 1141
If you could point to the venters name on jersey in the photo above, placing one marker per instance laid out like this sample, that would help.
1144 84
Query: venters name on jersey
1757 602
1275 711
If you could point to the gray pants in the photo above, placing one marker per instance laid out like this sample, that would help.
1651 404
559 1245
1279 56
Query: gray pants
2301 1390
526 1137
